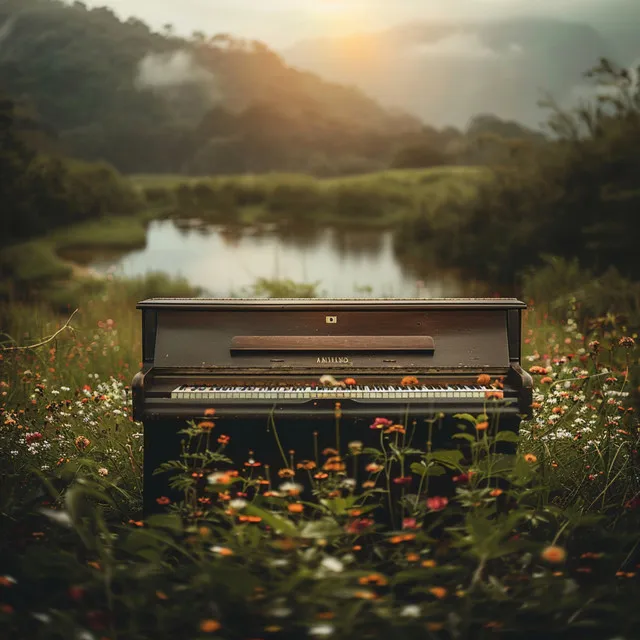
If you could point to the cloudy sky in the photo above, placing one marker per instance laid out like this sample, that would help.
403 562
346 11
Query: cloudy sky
282 22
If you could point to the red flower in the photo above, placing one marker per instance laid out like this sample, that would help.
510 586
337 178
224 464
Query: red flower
76 593
358 525
463 477
33 437
437 503
405 480
409 523
97 620
380 423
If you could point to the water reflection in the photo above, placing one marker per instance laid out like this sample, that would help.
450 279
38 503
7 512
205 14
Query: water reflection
226 259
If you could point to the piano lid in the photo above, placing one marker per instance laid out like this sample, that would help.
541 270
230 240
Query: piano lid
322 336
331 303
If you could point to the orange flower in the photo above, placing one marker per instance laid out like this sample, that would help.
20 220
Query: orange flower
307 465
428 564
553 554
161 595
405 537
496 492
209 412
438 592
412 557
206 425
222 439
373 578
495 395
482 426
252 519
82 443
329 452
395 428
484 380
365 595
325 615
546 380
530 458
408 381
435 626
286 473
296 507
372 467
320 476
350 381
163 500
368 484
222 551
209 626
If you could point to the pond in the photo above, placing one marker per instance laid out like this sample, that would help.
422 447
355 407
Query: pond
229 260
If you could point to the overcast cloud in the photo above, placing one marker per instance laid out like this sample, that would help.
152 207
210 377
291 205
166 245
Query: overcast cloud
281 22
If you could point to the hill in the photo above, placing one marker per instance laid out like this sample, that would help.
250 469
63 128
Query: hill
445 73
149 102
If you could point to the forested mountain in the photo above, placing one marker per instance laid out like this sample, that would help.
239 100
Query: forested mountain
149 102
445 73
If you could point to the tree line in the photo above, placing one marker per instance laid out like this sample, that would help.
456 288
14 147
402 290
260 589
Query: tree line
578 196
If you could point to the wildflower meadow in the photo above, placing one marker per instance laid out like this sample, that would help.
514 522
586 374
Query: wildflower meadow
487 535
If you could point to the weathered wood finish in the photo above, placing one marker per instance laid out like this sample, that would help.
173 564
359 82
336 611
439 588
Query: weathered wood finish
346 344
464 338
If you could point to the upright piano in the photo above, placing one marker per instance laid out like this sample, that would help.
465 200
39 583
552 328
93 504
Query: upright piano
296 364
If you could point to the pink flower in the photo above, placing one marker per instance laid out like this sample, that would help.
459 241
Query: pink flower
380 423
437 503
463 477
405 480
358 525
409 523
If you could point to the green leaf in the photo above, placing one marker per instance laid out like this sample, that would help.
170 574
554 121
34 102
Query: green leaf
431 470
465 416
507 436
171 521
450 458
276 522
325 528
464 436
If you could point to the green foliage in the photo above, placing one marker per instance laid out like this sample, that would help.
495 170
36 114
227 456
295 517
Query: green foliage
41 192
574 197
274 288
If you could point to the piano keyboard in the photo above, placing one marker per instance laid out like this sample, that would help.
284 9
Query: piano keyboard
380 392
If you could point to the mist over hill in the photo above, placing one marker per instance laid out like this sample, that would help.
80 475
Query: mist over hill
447 72
115 90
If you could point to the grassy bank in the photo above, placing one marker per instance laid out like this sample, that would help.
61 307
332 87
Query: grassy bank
39 267
372 200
